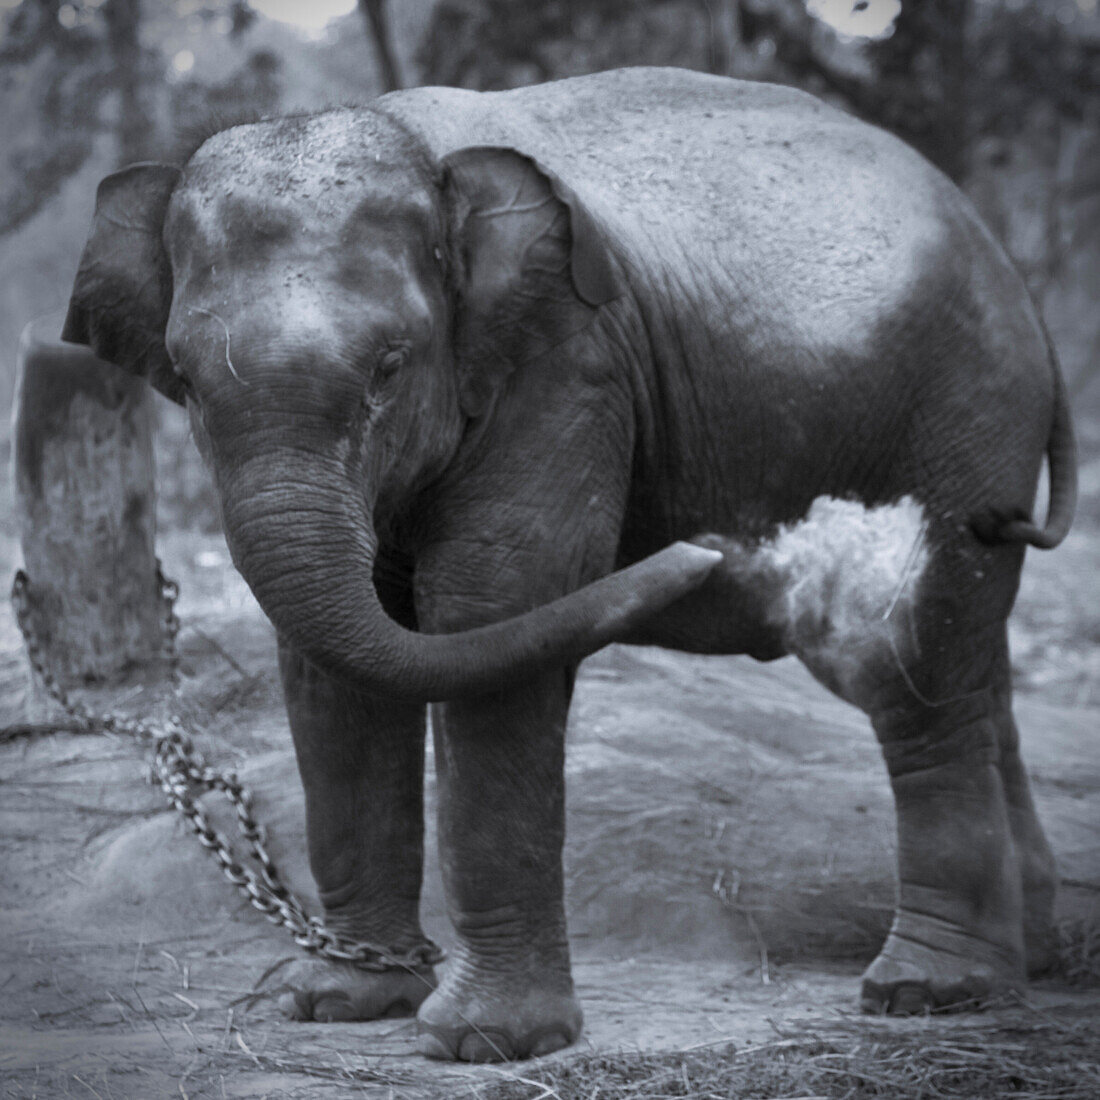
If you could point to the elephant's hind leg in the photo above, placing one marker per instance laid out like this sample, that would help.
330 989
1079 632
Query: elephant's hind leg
361 760
929 668
957 936
1038 872
939 701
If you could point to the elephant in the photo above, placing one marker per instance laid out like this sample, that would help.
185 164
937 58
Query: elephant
487 381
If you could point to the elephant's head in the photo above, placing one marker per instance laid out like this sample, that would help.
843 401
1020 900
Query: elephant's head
335 308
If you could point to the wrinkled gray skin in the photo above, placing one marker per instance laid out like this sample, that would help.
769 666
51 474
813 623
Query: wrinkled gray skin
456 358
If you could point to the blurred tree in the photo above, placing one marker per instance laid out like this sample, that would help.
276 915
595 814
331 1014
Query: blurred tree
378 29
922 72
945 73
62 60
726 36
133 128
491 44
254 89
912 80
79 68
53 77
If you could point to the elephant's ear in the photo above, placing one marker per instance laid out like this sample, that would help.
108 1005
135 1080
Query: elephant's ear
532 265
123 289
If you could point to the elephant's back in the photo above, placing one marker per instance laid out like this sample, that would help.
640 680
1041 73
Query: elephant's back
716 185
829 291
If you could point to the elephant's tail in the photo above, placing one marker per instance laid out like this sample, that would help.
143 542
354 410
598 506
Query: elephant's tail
1062 457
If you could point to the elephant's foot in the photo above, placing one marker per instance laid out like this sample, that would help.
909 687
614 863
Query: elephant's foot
472 1021
926 965
329 992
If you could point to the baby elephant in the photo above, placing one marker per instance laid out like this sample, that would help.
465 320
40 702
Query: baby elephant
487 381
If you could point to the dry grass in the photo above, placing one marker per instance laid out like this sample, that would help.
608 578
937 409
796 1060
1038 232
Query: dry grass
1041 1062
352 1076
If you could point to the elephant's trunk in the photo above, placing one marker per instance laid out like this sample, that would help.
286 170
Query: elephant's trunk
305 545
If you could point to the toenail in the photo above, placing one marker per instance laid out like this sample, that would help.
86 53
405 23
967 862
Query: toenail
548 1042
910 1000
332 1006
432 1046
481 1046
291 1007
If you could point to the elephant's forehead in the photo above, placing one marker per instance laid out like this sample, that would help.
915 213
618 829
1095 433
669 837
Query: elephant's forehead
272 180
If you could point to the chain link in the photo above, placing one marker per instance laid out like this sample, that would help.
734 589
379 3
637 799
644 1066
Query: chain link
169 591
180 770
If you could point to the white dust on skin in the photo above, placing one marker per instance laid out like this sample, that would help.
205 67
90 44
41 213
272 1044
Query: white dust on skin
840 586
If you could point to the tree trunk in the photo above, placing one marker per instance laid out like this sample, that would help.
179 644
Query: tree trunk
134 129
923 75
726 43
85 501
374 13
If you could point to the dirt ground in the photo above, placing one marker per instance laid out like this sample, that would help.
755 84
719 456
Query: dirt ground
729 863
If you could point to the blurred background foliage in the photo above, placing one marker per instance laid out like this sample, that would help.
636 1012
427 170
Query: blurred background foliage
1004 95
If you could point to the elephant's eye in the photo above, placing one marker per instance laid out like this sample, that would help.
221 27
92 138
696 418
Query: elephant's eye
393 360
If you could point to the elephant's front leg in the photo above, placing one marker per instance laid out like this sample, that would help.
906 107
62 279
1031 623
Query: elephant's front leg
362 765
508 992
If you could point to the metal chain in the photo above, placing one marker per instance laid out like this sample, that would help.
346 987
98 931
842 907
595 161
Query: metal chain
169 591
180 770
